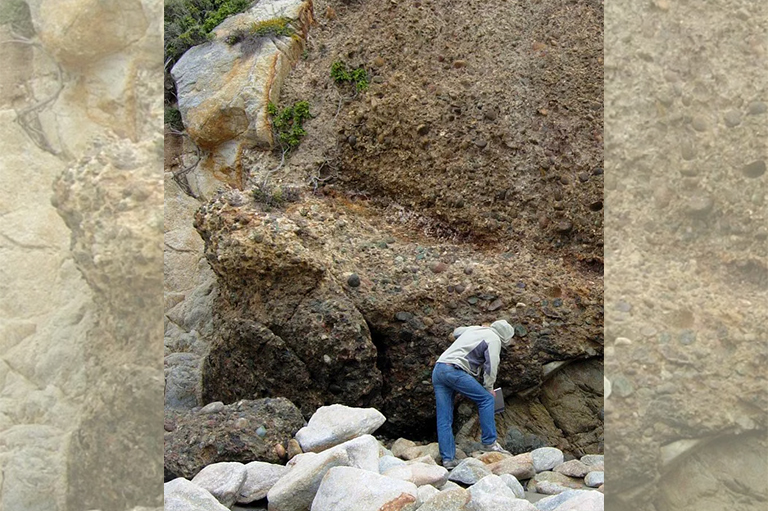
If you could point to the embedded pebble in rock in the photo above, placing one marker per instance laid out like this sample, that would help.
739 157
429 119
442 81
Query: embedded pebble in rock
214 407
353 489
454 499
606 387
334 424
260 478
699 205
404 316
546 458
294 448
419 474
489 458
552 483
572 468
688 150
491 493
353 280
622 341
222 480
622 387
514 485
757 108
520 466
594 479
754 170
732 118
438 267
469 471
699 123
183 495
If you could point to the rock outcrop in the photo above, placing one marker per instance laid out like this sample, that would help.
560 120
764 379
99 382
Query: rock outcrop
224 89
291 311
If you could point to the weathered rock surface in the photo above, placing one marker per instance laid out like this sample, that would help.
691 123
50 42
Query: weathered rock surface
520 466
573 468
183 495
594 479
353 489
419 474
224 90
256 254
469 471
455 499
335 424
491 493
546 458
222 480
261 477
245 431
581 500
514 485
552 483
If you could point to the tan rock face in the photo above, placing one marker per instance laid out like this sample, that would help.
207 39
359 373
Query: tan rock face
79 32
224 89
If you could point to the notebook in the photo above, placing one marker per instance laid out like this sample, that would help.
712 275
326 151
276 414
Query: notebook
498 400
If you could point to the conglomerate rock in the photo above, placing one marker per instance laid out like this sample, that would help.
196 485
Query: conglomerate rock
284 276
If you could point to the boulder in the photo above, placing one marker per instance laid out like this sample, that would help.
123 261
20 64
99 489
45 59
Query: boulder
182 380
552 503
594 479
353 489
454 499
401 446
552 483
224 89
426 492
222 480
183 495
492 494
469 471
419 474
594 461
335 424
587 501
572 468
296 490
244 431
261 477
514 485
388 462
429 460
418 451
520 466
546 458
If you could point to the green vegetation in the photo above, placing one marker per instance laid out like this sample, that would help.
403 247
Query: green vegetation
275 196
275 27
288 123
173 118
341 74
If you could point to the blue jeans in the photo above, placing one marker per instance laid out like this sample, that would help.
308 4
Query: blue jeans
447 381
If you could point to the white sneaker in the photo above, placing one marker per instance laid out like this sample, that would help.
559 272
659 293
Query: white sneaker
494 447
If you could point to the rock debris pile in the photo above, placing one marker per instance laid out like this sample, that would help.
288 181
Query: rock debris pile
334 463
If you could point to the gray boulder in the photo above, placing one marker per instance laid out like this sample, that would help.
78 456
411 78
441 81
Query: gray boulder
183 495
222 480
469 471
353 489
546 458
335 424
492 494
261 477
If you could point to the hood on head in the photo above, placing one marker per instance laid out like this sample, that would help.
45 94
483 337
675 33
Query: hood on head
505 331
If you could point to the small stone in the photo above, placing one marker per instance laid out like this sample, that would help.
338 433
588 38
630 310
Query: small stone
732 118
757 108
688 150
279 451
700 123
438 267
481 143
261 431
564 227
622 341
622 387
459 288
583 177
352 140
754 170
699 205
423 129
687 337
378 62
594 479
404 316
294 449
472 300
214 407
458 64
468 270
353 280
495 305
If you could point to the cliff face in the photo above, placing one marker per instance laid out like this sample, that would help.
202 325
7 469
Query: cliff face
461 184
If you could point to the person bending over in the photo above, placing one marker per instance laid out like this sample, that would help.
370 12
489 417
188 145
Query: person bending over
475 352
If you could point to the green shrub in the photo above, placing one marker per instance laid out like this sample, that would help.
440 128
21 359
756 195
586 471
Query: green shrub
288 123
173 118
275 196
275 27
341 74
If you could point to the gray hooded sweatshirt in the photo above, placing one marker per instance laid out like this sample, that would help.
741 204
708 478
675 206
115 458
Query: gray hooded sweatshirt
477 349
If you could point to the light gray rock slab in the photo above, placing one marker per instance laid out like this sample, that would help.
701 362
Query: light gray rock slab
551 503
296 490
353 489
594 479
455 499
492 494
387 462
335 424
419 474
587 501
426 492
261 477
572 468
546 458
183 495
222 480
514 485
593 459
469 471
